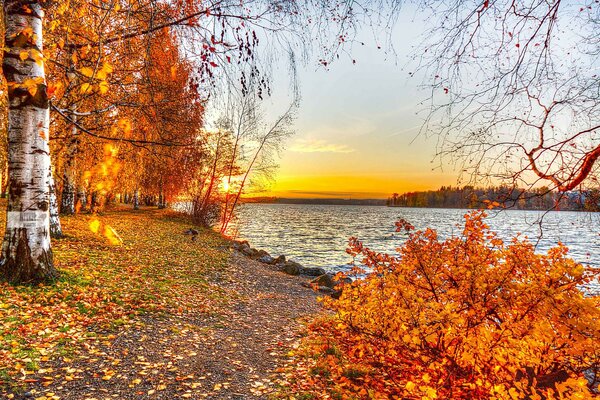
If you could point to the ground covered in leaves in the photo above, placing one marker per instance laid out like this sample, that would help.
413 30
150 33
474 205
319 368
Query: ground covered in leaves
159 316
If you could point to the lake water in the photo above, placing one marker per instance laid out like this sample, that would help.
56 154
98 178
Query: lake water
317 235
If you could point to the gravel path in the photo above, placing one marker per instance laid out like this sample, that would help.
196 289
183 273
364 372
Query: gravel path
231 353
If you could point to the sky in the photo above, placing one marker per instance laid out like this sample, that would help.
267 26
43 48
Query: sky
357 129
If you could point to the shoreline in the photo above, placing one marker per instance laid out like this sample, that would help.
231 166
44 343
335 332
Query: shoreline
319 279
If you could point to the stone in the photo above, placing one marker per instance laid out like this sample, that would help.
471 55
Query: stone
238 244
290 268
327 290
191 231
262 253
312 271
325 280
249 251
345 280
267 259
327 284
280 260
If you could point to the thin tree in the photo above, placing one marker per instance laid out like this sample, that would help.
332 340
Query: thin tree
251 129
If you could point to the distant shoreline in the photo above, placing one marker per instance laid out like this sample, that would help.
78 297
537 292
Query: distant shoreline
316 201
382 203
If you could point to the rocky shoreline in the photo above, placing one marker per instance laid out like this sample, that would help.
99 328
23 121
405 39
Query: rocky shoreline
323 281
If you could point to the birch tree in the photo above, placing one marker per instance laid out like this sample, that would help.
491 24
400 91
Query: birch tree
26 253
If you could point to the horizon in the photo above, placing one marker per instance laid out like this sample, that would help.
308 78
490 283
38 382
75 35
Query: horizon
357 131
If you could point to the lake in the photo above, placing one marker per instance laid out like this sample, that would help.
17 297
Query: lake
317 235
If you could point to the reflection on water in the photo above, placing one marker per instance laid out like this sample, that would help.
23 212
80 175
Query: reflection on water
317 235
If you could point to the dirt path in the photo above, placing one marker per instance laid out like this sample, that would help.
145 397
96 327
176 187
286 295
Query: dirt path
231 353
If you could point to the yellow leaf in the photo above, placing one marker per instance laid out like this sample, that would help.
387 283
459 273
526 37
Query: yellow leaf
87 71
32 89
85 88
24 55
107 68
103 86
37 57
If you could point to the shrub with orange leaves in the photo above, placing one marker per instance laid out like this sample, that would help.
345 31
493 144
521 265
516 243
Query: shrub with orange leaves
470 317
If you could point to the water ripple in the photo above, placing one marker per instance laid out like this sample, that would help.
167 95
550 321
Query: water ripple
317 235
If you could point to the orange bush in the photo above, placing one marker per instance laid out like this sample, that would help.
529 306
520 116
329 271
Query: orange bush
470 317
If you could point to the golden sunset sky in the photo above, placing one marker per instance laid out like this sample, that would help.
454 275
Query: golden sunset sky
357 131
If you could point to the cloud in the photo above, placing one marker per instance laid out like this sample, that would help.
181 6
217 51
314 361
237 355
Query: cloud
319 146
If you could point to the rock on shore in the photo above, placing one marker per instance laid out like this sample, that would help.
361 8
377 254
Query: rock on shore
324 282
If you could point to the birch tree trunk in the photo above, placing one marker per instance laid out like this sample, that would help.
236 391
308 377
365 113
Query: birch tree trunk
136 200
67 203
55 226
162 201
26 253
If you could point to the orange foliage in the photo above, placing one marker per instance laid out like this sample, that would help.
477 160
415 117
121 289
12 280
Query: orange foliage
470 317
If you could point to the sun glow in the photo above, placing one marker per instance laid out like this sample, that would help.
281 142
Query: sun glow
104 175
225 186
105 230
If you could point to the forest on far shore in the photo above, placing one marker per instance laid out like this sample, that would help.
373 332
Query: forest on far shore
522 199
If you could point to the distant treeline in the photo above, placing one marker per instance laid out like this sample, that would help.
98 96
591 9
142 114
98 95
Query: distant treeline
473 197
354 202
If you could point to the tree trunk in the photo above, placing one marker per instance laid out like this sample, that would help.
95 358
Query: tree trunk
81 200
94 202
161 201
67 204
136 200
55 227
26 253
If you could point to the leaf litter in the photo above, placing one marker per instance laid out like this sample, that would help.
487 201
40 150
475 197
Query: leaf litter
157 317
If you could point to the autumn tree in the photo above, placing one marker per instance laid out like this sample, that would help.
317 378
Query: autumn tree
469 317
256 139
514 89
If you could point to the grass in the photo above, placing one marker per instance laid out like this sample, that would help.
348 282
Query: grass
104 288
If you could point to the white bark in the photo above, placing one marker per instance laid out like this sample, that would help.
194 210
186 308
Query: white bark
67 205
55 226
26 253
